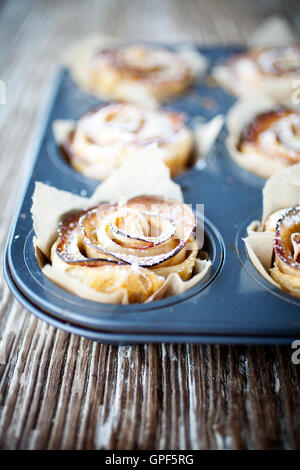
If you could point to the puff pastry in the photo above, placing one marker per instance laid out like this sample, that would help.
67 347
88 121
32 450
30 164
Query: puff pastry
132 247
104 137
272 137
159 71
286 266
269 69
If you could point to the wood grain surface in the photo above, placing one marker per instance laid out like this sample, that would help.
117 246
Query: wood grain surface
60 391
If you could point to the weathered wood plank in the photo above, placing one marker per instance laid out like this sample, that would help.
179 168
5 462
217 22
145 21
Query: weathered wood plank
61 391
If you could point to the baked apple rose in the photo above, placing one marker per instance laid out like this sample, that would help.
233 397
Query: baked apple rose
263 136
277 61
133 72
133 247
273 244
104 137
270 69
273 135
159 71
286 266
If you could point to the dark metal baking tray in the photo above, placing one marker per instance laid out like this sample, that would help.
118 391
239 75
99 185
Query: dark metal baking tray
233 304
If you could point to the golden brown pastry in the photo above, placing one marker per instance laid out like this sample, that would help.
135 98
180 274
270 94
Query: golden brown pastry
269 69
132 247
273 135
286 266
271 221
105 137
272 61
158 71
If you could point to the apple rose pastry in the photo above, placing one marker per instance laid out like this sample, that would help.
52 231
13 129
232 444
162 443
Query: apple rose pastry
277 61
103 138
286 266
118 72
272 139
132 247
271 69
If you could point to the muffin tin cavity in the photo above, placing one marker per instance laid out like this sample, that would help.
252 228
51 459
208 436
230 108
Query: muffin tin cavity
57 301
250 268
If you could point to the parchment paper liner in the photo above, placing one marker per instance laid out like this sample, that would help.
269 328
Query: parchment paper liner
239 116
139 175
78 60
281 191
275 31
205 135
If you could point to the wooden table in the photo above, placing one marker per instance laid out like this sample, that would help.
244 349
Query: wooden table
62 391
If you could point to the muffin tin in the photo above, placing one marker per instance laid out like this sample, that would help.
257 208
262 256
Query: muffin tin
232 304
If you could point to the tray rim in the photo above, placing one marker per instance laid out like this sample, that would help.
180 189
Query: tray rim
126 338
33 151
